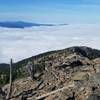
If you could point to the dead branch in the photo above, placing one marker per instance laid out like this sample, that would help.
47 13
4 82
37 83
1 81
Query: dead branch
53 92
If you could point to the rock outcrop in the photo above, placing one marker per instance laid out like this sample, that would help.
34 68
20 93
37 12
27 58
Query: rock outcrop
69 74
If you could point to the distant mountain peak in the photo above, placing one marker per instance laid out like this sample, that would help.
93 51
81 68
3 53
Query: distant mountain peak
22 24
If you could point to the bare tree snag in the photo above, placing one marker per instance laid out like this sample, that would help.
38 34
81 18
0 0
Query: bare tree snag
10 80
53 92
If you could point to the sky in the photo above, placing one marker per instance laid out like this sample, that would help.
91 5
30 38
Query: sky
83 29
51 11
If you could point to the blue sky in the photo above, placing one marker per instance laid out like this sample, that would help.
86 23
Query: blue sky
51 11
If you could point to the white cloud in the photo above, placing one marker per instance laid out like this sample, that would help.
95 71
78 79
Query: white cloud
23 43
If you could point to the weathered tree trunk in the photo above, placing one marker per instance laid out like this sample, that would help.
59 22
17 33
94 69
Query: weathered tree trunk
10 80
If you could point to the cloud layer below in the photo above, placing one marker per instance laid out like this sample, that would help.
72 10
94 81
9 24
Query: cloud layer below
22 43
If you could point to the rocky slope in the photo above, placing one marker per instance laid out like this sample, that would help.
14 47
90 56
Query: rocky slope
69 74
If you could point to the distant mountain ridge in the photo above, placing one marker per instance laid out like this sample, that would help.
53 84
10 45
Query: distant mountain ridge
21 24
88 52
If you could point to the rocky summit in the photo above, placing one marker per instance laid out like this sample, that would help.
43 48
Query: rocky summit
68 74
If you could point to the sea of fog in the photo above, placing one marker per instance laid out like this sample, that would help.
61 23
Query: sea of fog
23 43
